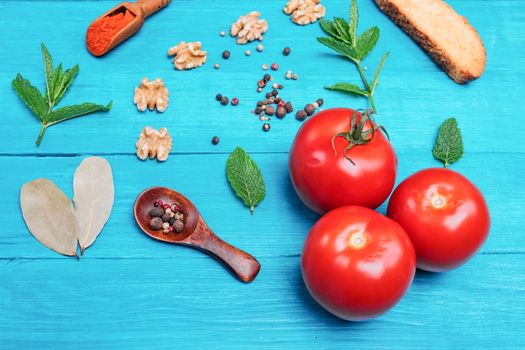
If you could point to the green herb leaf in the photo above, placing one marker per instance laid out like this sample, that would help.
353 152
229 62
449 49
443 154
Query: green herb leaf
31 96
348 88
342 29
449 145
328 27
375 81
340 47
352 22
245 178
57 83
69 112
366 42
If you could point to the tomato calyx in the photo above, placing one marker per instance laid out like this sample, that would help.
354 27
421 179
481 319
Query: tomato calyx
357 135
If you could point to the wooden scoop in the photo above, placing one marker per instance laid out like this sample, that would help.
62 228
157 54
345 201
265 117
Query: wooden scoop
195 234
140 9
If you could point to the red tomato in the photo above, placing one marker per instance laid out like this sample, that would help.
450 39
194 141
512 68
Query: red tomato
324 179
445 216
357 263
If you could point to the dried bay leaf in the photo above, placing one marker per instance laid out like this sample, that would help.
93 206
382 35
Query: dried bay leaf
93 197
49 216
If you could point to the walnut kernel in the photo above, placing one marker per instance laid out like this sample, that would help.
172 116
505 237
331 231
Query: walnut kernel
150 94
304 11
249 27
187 55
154 143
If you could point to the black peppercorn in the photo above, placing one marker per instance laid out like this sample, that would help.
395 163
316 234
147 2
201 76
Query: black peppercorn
269 110
266 127
166 217
300 115
277 100
156 212
226 54
258 110
309 109
172 220
275 92
319 102
281 112
268 94
267 77
218 97
288 106
215 140
286 51
224 100
259 104
155 223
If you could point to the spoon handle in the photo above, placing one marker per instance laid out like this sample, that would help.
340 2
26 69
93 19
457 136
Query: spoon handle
149 7
244 266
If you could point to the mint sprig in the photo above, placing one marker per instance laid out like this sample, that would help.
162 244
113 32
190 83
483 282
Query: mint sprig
344 40
57 83
449 145
245 178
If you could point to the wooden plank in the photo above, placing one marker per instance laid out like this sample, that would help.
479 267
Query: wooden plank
414 96
280 223
193 303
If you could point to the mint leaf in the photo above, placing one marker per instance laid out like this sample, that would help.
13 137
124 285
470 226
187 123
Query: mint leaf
328 28
375 81
245 178
340 47
31 96
352 22
366 42
347 88
449 145
63 82
342 29
48 70
69 112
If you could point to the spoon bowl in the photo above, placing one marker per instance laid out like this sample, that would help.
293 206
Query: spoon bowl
196 232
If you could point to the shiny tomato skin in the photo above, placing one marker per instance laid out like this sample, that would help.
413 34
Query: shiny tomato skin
325 180
445 216
357 263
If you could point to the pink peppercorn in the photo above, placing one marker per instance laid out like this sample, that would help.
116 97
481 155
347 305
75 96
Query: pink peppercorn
170 228
160 203
166 206
176 208
274 66
235 101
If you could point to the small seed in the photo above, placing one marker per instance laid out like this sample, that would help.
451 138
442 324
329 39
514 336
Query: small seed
226 54
275 66
224 100
288 106
270 110
281 112
309 109
264 66
286 51
215 140
267 77
247 52
275 85
258 110
235 101
260 47
266 127
315 105
295 76
274 93
300 115
320 102
222 33
259 89
218 97
261 38
288 76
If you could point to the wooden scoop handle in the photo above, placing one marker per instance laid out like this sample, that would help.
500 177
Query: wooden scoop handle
149 7
244 266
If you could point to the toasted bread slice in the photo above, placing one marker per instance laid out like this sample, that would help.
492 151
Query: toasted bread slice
444 34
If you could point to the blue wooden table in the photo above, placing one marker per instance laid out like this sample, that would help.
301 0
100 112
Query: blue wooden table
132 292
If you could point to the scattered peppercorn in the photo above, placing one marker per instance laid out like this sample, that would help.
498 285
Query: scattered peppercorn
320 102
281 112
247 52
260 47
218 97
266 127
259 89
226 54
269 110
264 66
224 100
275 92
156 212
309 109
267 77
215 140
176 208
288 106
286 51
268 95
155 223
222 33
216 66
295 76
235 101
275 66
300 115
275 85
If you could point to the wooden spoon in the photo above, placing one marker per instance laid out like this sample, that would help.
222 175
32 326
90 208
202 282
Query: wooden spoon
140 9
196 232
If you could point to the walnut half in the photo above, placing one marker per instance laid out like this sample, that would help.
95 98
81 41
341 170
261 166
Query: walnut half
187 55
249 27
151 94
304 12
154 143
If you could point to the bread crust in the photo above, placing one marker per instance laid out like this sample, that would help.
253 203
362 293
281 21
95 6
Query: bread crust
433 48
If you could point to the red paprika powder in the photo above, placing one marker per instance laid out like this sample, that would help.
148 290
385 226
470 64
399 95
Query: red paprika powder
100 32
